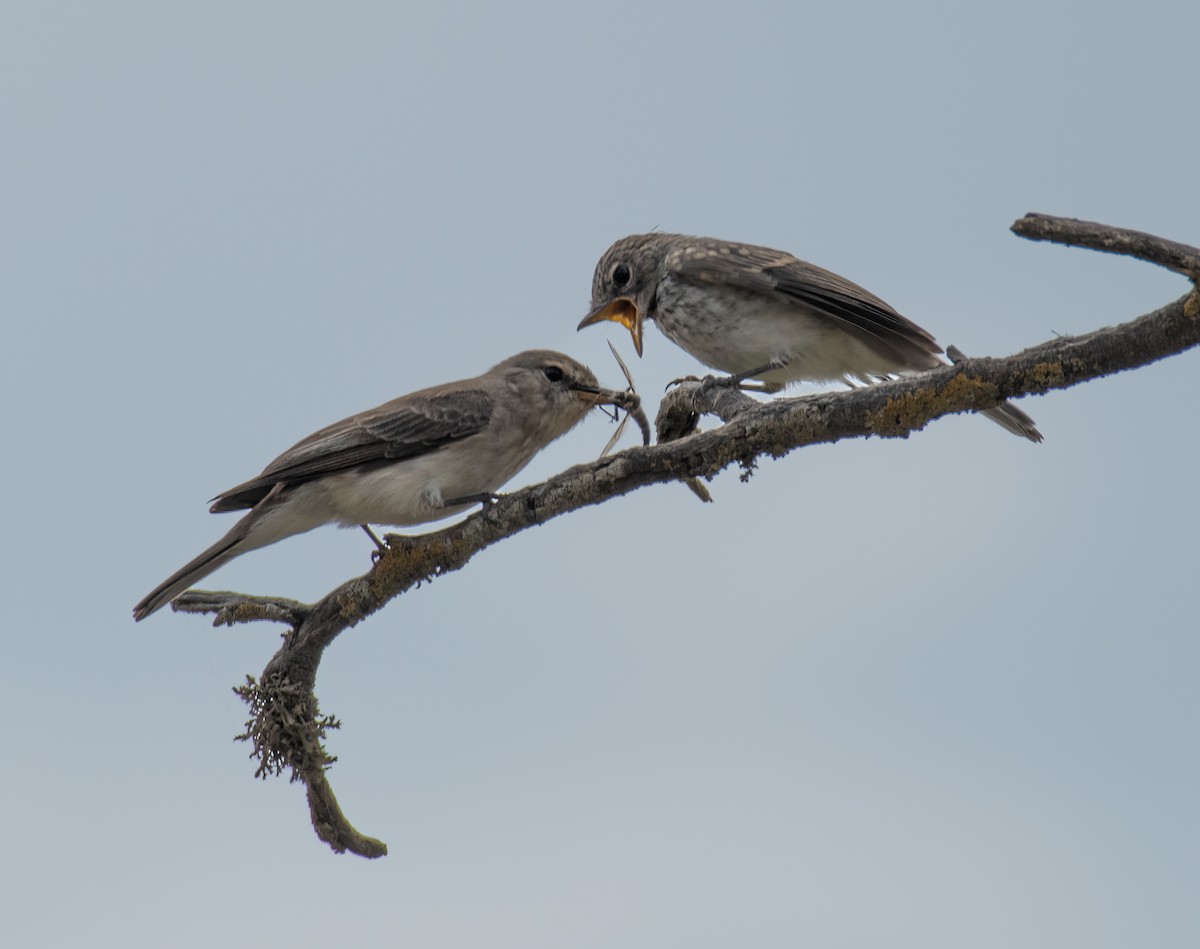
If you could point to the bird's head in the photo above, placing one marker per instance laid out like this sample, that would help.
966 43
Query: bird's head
557 391
625 283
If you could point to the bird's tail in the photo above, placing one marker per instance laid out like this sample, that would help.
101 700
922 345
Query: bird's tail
219 554
1016 421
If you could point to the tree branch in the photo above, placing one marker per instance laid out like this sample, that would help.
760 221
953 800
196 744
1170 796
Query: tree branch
286 727
1181 258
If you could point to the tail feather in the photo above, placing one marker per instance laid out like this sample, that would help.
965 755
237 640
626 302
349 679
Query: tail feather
219 554
1012 418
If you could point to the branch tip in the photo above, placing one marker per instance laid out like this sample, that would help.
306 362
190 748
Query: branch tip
1180 258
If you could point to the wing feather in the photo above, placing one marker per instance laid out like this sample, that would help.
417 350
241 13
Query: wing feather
407 427
779 274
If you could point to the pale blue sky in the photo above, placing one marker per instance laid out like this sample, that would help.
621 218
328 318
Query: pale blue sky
930 693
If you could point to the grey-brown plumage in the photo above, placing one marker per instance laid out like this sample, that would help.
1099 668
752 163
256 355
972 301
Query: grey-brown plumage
752 310
418 458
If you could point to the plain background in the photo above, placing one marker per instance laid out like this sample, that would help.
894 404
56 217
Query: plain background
934 692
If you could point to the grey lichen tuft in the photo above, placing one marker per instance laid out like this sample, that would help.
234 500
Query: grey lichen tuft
286 728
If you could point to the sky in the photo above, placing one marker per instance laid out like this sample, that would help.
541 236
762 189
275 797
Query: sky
929 692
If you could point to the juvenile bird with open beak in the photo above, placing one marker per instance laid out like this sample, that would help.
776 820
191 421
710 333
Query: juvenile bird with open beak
763 314
419 458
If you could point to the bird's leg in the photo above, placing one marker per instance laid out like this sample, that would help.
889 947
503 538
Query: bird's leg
767 388
380 547
738 379
486 498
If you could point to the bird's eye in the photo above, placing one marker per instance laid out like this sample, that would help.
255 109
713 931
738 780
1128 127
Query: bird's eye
620 275
553 373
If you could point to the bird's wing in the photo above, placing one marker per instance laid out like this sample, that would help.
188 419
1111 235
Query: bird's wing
781 275
404 428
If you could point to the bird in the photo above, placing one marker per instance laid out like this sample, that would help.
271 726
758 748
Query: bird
764 314
418 458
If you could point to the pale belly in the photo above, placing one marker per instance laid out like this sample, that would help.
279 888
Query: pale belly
413 491
737 331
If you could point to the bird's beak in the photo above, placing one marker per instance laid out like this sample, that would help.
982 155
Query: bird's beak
626 399
594 396
623 310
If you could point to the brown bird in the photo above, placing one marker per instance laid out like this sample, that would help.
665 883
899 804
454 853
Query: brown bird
418 458
763 314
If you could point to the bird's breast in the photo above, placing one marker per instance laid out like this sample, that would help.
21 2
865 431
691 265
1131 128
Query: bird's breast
731 329
737 330
401 494
410 492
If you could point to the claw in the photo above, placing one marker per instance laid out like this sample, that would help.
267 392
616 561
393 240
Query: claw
380 547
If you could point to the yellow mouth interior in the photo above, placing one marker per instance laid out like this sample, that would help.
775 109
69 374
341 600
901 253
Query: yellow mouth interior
623 311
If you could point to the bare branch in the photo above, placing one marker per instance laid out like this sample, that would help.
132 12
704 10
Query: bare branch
231 608
1181 258
331 825
286 726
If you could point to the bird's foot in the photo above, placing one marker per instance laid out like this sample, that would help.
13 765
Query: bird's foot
380 547
739 380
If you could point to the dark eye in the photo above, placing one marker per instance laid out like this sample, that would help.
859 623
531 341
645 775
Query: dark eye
620 275
553 373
